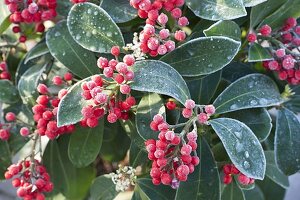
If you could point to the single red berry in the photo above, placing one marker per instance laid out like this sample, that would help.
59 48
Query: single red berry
171 105
227 179
42 88
112 118
57 80
251 37
187 113
24 131
244 180
203 118
10 117
180 35
22 39
265 30
68 76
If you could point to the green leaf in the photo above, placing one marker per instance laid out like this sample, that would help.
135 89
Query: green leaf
242 146
93 28
273 172
72 182
287 142
150 105
77 59
137 156
224 28
271 190
5 158
254 194
236 70
258 53
28 83
251 3
161 192
202 56
165 81
232 191
261 11
115 143
70 106
120 10
37 51
290 8
9 93
251 91
294 103
4 25
204 182
203 88
217 10
103 188
258 120
4 12
63 7
129 126
85 144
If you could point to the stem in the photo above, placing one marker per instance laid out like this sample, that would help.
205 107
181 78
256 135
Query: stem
33 152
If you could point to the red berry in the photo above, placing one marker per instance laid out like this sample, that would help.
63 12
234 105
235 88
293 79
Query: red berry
10 117
57 80
171 105
24 131
68 76
22 39
265 30
4 134
42 88
244 180
112 118
251 37
227 179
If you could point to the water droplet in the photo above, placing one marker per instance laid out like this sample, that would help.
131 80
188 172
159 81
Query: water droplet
57 34
239 147
246 164
238 135
263 101
233 107
253 102
246 154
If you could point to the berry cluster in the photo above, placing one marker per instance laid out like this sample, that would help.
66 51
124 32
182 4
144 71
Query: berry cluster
107 92
231 170
31 179
5 127
158 41
45 110
29 12
4 73
174 156
284 46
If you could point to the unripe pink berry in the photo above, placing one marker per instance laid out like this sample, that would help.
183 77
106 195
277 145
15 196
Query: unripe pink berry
280 53
190 104
183 21
210 109
115 50
176 13
3 66
102 62
153 43
42 88
122 68
162 50
57 80
108 72
159 153
192 136
288 62
129 60
170 135
187 113
164 34
112 118
186 149
125 89
251 37
62 93
273 65
149 30
158 118
145 5
265 30
10 117
170 45
33 8
162 19
163 126
244 180
101 98
180 35
203 118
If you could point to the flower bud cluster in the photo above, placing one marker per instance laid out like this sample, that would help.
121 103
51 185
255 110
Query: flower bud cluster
124 178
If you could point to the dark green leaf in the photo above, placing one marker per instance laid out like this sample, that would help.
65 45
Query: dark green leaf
202 56
8 92
261 11
115 143
77 59
290 8
251 3
242 146
103 188
72 182
129 126
217 10
85 144
137 156
203 88
258 53
161 192
258 120
5 158
251 91
294 103
232 191
287 142
273 172
69 109
165 81
150 105
224 28
37 51
63 7
93 28
271 190
120 10
4 25
204 182
254 194
236 70
28 83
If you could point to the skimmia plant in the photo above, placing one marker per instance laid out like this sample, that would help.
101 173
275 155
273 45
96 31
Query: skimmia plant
167 99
